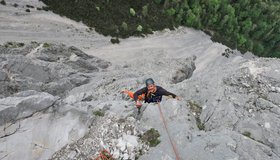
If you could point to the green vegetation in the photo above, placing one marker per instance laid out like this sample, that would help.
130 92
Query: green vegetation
197 109
97 8
227 52
246 25
3 2
115 40
247 134
124 26
132 12
151 137
14 44
46 45
117 18
139 28
99 113
107 155
199 124
29 6
145 10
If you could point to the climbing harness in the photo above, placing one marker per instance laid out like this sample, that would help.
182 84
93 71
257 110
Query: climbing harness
165 126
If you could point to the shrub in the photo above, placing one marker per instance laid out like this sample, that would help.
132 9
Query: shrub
132 12
115 40
99 113
139 28
247 134
151 137
145 10
97 8
3 2
13 45
29 6
124 26
46 45
171 11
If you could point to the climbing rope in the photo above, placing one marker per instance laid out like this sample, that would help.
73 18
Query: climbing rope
104 155
165 126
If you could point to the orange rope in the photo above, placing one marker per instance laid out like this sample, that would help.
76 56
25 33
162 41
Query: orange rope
165 126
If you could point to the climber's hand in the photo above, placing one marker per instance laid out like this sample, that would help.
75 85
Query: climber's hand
178 98
138 104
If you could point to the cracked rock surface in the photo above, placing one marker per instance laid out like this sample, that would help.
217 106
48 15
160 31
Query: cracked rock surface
63 101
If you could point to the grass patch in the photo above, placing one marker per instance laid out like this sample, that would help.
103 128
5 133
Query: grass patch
46 45
99 113
247 134
199 124
196 109
151 137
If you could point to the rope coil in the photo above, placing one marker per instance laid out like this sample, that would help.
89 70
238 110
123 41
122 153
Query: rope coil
104 155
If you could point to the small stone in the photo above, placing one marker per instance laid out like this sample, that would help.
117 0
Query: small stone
131 119
72 154
267 125
116 154
125 156
121 144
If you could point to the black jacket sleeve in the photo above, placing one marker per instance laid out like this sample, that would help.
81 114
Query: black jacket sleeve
162 91
139 92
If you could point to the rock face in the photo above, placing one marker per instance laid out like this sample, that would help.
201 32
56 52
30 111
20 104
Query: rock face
253 104
185 71
34 78
30 128
23 105
74 110
57 102
45 67
240 108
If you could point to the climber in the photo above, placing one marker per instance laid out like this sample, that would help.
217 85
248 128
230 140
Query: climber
150 94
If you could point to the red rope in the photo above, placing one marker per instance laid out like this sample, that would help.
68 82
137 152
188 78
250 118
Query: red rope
103 155
165 126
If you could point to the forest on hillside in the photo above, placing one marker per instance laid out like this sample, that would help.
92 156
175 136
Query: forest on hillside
246 25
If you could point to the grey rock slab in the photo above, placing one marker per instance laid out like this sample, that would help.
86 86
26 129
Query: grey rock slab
44 66
39 136
28 103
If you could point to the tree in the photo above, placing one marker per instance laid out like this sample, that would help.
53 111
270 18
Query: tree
258 48
190 19
246 26
249 45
